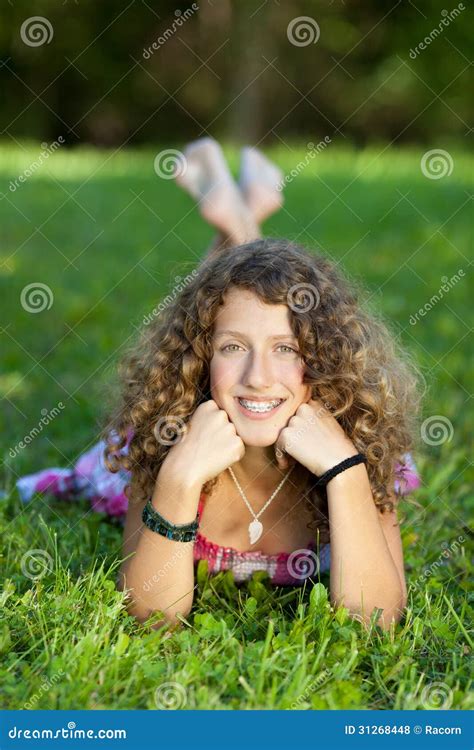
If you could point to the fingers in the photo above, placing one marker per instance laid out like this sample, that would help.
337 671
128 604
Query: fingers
241 449
284 460
280 458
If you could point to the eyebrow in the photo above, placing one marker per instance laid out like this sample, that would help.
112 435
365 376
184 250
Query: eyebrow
242 335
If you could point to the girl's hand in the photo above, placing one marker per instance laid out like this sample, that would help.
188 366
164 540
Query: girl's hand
208 445
314 438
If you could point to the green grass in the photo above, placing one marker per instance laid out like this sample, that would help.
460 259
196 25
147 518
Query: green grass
66 639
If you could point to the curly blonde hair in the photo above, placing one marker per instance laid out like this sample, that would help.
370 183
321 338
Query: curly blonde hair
352 363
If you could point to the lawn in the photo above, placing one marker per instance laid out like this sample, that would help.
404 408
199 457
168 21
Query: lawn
108 237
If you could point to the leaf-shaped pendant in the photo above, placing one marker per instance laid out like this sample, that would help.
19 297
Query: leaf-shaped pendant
255 531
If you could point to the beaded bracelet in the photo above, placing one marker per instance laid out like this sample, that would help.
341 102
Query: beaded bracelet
154 521
346 464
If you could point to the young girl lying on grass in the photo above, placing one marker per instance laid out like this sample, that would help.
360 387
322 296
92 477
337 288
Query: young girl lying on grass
265 424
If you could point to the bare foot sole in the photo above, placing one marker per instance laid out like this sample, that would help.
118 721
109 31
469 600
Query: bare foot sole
208 180
260 182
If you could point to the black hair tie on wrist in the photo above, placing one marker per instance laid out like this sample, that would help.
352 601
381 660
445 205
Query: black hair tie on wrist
323 480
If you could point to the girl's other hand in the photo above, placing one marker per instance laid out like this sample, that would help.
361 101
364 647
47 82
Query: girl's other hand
314 438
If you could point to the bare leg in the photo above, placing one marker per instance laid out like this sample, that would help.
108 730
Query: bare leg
219 244
222 242
208 180
235 211
261 183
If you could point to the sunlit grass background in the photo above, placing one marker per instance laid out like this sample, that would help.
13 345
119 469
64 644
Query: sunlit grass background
109 237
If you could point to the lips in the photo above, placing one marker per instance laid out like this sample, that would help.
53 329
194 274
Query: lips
262 398
258 408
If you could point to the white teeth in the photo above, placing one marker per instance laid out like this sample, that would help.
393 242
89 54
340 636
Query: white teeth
260 406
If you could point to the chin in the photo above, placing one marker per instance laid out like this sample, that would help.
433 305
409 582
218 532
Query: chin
258 442
258 434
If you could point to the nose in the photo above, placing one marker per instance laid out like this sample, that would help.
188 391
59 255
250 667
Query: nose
258 373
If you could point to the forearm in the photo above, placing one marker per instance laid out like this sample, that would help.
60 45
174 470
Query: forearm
160 574
363 572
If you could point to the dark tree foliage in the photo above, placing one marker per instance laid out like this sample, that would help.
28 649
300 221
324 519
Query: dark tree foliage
228 68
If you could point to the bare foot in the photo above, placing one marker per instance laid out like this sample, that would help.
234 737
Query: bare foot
208 180
260 182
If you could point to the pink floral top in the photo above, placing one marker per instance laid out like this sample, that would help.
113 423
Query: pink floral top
90 478
284 568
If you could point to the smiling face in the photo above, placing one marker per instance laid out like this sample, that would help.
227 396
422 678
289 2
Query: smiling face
256 371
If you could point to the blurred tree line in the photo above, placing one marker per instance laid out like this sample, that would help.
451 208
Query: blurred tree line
229 68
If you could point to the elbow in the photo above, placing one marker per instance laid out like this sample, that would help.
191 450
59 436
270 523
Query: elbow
146 610
157 618
396 609
392 615
390 611
154 616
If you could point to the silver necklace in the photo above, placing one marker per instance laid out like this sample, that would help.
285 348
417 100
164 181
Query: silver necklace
255 526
